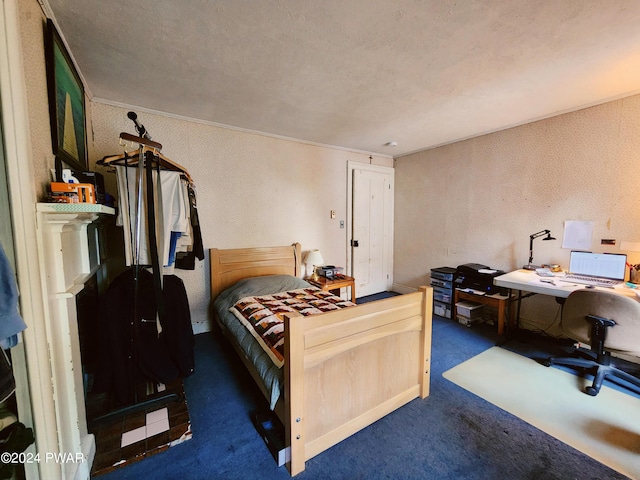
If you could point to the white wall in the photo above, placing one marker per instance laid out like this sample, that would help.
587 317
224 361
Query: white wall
252 190
480 199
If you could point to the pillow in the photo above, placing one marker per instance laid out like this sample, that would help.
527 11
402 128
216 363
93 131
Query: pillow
265 285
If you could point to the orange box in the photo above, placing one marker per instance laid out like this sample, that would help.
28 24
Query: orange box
84 192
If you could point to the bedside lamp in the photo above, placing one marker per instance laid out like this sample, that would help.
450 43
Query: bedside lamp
313 260
529 266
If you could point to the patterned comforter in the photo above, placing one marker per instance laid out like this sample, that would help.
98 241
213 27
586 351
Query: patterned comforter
262 315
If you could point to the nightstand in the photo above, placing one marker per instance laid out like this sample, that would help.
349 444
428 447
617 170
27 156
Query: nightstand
334 284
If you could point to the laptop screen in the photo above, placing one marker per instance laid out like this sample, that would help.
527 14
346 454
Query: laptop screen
606 265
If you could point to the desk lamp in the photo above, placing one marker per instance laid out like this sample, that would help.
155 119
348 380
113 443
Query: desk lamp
314 259
529 266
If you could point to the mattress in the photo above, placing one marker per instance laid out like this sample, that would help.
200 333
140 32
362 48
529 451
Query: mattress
272 376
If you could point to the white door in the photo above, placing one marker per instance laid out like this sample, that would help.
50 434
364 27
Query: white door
372 221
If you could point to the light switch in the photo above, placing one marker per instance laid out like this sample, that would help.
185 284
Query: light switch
333 214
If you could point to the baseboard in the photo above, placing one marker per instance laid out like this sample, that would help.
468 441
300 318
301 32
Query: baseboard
399 288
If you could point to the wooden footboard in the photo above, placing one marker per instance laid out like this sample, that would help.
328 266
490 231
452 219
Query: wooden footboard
346 369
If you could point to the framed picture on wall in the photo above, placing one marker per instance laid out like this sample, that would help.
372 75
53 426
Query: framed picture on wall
66 103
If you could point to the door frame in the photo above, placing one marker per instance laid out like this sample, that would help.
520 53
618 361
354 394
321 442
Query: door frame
351 166
33 379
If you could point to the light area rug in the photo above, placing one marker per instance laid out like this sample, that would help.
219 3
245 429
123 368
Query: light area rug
605 427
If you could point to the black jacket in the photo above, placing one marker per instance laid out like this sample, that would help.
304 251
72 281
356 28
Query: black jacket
132 348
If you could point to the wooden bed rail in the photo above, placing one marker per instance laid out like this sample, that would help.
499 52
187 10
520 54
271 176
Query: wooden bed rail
346 369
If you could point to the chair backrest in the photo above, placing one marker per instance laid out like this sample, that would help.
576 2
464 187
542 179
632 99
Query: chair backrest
624 337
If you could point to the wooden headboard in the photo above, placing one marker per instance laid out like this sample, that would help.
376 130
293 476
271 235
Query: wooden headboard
231 265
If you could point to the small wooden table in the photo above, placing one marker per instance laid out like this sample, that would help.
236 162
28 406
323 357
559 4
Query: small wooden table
334 284
496 301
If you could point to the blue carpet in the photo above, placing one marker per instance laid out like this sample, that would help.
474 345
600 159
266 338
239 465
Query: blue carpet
376 296
452 434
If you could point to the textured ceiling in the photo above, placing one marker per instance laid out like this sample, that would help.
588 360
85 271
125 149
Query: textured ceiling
356 73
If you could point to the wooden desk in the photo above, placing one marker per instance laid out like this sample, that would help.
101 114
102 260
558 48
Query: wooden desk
499 302
334 285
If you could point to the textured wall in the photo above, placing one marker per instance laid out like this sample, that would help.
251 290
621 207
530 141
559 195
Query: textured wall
480 199
32 24
252 190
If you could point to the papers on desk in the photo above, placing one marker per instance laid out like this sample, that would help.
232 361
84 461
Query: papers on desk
547 281
481 293
471 290
556 283
487 271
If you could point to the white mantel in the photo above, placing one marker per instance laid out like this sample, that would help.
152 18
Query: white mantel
69 254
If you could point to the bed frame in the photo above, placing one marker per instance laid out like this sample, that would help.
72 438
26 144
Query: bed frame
344 370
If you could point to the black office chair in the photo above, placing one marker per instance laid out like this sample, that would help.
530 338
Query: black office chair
608 322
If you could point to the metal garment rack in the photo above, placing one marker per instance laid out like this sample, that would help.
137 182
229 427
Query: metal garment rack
144 165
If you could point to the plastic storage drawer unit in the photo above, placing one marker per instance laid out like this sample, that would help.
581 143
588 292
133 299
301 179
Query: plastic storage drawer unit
442 281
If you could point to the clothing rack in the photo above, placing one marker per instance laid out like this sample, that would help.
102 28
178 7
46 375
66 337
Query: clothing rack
148 158
130 158
145 144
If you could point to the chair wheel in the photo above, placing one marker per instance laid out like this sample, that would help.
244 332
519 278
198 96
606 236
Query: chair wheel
591 391
546 363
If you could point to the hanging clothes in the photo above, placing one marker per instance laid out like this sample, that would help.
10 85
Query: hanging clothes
145 310
11 323
161 357
187 260
179 239
172 218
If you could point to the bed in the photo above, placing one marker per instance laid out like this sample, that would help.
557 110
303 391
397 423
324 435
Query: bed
343 370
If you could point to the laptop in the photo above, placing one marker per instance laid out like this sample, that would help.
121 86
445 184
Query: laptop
597 269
